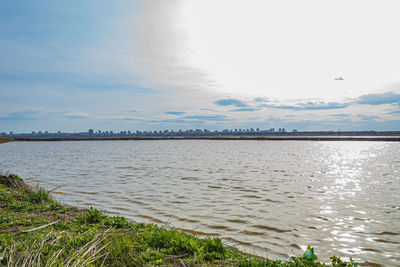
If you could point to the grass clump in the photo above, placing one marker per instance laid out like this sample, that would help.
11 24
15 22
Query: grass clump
35 230
91 216
15 177
39 195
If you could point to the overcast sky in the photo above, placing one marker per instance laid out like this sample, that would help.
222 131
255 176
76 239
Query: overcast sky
183 64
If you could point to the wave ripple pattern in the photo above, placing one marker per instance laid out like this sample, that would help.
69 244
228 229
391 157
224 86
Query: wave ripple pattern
271 198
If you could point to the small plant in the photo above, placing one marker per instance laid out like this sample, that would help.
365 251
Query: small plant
117 222
39 195
55 205
16 177
309 254
336 261
93 216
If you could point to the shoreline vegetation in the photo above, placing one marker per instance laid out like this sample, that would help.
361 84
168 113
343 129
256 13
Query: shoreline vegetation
5 140
36 230
233 138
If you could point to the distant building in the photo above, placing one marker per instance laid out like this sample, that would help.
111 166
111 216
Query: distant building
90 131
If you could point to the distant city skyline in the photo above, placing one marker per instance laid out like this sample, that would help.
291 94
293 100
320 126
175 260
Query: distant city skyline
91 133
149 65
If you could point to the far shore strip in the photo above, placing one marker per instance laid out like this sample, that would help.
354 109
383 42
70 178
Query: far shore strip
233 138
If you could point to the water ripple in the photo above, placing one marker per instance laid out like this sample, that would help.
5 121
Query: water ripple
271 198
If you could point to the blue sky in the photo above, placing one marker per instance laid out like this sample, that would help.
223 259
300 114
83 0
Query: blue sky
152 65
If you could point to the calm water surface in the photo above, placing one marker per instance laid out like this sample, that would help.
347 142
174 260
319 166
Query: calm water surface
267 197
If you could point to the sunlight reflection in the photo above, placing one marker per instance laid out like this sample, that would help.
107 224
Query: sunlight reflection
345 161
346 183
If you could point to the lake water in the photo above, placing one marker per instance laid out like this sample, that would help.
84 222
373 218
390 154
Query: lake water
272 198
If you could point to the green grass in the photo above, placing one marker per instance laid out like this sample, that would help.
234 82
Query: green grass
5 139
90 238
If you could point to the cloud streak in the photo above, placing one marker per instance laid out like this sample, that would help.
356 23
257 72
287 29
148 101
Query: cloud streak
244 109
19 116
230 102
76 115
310 106
175 112
369 99
215 117
379 99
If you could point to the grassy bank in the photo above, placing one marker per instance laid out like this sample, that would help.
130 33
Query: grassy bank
36 230
4 139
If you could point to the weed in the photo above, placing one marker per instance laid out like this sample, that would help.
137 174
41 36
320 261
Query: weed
16 177
117 222
39 195
54 205
94 216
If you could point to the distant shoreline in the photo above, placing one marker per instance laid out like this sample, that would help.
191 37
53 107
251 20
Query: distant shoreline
254 138
5 140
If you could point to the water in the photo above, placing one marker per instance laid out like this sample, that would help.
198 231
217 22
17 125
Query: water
272 198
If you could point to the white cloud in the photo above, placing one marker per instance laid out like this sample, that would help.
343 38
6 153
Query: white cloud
162 52
280 49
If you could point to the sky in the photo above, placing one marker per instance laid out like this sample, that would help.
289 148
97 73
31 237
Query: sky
134 65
